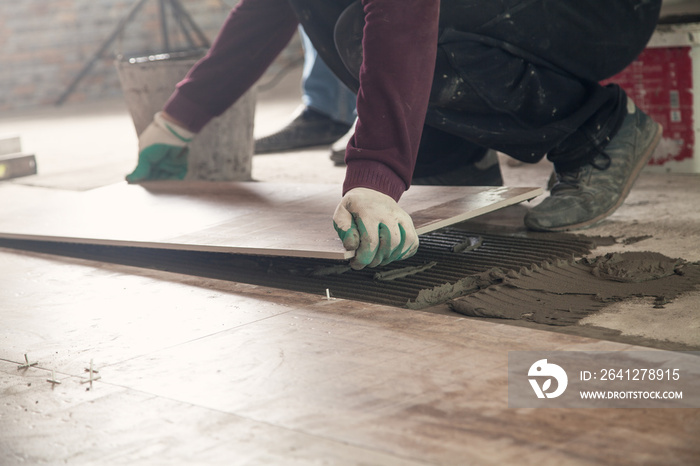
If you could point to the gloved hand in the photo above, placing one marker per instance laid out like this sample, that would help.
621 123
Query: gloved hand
374 226
162 152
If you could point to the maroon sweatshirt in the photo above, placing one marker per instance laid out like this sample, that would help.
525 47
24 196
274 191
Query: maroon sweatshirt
399 45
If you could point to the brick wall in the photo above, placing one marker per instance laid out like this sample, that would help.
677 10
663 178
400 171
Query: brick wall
44 44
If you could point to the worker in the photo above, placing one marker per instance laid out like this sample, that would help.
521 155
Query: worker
327 112
518 76
327 115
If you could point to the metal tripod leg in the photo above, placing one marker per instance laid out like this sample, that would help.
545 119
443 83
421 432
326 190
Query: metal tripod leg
86 69
183 17
182 13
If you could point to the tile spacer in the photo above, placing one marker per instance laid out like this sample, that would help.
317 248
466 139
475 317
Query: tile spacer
53 380
26 364
92 372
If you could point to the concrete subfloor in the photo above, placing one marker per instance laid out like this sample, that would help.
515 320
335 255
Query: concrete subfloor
137 324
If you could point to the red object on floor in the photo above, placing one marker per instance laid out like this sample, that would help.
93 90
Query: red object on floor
660 82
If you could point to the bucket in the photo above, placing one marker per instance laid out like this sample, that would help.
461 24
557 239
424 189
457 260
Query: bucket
223 150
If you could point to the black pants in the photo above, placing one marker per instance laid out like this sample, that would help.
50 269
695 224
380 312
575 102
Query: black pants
518 76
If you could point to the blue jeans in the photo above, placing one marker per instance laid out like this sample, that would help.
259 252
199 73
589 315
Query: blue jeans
322 90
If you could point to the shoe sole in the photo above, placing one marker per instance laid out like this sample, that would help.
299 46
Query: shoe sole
338 158
643 161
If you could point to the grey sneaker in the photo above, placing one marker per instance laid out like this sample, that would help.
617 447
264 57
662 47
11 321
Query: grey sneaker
586 195
308 129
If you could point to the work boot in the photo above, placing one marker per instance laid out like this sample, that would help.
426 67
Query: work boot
583 196
310 128
483 172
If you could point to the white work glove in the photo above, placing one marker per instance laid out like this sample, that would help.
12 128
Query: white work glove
162 152
374 226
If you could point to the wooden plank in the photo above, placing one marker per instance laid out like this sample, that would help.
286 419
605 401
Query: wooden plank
235 217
